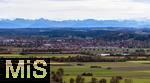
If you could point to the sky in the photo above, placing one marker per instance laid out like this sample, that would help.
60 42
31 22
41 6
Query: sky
75 9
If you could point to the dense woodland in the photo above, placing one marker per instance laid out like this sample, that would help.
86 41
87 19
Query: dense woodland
96 33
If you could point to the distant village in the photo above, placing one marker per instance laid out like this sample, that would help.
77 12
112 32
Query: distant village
75 46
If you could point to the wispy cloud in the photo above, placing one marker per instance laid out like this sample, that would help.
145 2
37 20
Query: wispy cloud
3 1
142 0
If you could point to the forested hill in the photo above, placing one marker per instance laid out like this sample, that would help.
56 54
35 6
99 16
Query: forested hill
103 33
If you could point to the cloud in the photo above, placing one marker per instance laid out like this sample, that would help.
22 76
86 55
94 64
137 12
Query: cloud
67 0
144 1
74 9
3 1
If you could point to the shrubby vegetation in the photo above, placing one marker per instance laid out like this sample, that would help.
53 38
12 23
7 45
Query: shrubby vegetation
86 59
87 74
95 67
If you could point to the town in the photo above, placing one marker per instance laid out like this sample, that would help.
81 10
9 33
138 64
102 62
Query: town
70 45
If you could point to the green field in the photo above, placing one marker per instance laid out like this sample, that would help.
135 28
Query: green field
138 71
36 55
133 70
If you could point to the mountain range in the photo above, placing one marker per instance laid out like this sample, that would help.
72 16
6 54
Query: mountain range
88 23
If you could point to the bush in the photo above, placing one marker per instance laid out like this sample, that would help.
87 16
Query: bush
87 74
80 64
116 79
103 81
95 67
109 68
22 53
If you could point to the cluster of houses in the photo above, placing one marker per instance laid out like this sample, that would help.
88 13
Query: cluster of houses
91 46
72 43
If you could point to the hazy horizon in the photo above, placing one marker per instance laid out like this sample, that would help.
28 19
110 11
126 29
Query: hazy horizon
138 19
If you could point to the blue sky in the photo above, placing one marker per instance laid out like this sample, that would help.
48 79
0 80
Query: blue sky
75 9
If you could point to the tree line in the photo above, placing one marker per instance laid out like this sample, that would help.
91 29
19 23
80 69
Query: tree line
57 77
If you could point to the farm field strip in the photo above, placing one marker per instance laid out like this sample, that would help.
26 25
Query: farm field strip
72 69
137 75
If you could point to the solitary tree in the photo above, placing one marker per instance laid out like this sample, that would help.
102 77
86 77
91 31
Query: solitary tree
60 71
53 76
79 79
72 80
102 81
93 80
57 76
82 80
115 79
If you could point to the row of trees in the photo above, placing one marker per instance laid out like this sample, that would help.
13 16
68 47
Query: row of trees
57 77
115 79
87 59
